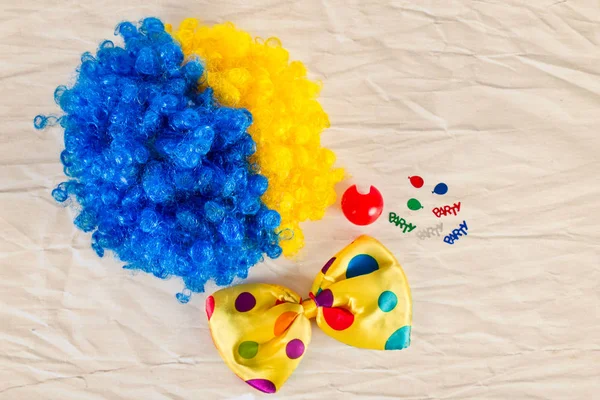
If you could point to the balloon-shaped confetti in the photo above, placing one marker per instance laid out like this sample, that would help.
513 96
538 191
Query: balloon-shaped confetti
440 188
414 204
416 181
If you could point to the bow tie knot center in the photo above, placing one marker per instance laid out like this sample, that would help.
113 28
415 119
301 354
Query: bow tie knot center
310 307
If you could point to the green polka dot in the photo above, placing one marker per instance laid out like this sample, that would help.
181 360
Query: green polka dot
248 350
387 301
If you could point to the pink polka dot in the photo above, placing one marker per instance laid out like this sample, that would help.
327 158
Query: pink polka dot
294 349
327 265
338 318
264 385
245 302
209 306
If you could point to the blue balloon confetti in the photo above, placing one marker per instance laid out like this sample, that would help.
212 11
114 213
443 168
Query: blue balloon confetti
440 188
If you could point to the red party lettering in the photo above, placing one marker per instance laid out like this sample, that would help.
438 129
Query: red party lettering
456 207
446 210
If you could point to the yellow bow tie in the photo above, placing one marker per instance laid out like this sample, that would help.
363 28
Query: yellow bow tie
361 298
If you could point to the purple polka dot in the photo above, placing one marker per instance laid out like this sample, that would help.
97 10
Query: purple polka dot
294 349
326 266
245 302
264 385
324 299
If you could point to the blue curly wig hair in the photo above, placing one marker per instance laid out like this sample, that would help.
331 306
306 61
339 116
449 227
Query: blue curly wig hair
161 171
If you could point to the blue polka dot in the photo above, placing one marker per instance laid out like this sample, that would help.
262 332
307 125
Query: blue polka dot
399 339
319 291
361 264
387 301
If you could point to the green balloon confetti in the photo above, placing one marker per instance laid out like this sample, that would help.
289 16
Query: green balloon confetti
414 204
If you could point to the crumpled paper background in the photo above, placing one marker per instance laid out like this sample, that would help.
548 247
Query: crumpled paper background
498 99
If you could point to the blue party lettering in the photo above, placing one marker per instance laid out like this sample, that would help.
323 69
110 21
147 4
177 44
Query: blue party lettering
456 233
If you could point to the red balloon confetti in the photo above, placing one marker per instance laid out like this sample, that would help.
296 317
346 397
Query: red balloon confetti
416 181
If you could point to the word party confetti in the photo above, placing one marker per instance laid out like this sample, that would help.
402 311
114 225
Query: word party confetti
401 223
446 210
431 232
456 233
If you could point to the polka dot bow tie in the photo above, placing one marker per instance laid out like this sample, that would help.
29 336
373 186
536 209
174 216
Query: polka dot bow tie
361 298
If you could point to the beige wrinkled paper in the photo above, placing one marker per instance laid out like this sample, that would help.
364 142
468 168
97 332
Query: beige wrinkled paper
500 99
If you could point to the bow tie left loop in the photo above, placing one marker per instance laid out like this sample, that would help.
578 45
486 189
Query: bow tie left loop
261 332
361 298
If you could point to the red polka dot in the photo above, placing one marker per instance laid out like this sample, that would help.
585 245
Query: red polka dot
210 306
338 318
278 302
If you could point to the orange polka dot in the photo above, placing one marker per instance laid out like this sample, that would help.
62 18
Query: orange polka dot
284 321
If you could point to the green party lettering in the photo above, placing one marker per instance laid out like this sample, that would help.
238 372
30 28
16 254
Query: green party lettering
401 223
